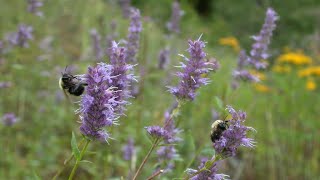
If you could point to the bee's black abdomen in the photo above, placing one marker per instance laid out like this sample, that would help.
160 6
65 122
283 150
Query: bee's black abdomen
215 136
76 90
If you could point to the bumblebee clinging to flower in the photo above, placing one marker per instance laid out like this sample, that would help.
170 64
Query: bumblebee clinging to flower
217 129
73 83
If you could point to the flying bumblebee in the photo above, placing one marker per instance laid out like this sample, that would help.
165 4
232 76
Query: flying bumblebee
73 83
217 129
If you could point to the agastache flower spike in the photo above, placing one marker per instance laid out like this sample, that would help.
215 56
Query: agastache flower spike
134 35
128 150
21 37
125 6
262 40
97 104
96 46
195 67
241 73
164 58
174 24
9 119
120 71
235 135
209 174
33 6
169 152
111 37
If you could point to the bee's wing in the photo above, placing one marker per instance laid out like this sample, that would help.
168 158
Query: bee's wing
80 79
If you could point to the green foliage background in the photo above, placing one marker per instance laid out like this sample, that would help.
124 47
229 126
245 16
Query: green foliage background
286 120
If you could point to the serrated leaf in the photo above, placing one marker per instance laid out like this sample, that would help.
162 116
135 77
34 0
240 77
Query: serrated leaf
74 147
218 102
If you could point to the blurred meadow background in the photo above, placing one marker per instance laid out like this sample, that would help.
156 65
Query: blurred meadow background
283 107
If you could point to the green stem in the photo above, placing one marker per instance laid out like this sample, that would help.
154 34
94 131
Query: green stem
174 113
75 167
65 163
62 169
154 145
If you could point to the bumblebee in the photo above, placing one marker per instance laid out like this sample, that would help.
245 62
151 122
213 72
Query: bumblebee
217 128
72 83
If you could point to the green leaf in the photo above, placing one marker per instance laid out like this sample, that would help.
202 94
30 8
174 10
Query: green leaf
86 161
36 176
74 146
168 144
218 102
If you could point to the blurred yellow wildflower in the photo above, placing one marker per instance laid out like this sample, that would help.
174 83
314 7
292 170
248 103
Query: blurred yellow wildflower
281 69
309 71
311 85
230 41
296 58
262 88
258 74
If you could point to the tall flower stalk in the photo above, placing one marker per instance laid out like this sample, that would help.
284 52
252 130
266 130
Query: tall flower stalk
133 38
121 73
191 80
259 49
97 104
258 52
192 71
96 44
174 24
226 146
21 37
33 6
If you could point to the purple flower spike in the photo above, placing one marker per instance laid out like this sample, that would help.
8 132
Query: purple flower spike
1 47
245 76
174 24
157 131
134 35
9 119
33 6
210 174
164 58
97 104
172 131
191 76
235 135
241 73
5 84
120 71
262 40
111 37
167 153
125 6
21 37
96 46
128 150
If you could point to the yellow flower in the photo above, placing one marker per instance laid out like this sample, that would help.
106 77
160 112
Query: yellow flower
262 88
296 58
281 69
309 71
311 85
230 41
258 74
